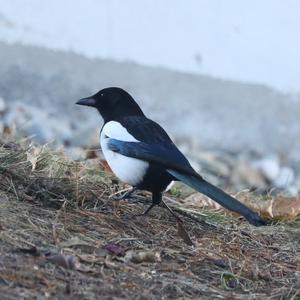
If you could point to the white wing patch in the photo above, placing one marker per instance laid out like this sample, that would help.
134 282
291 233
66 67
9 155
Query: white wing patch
116 131
127 169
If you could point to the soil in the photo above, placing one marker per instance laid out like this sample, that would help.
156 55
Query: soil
63 237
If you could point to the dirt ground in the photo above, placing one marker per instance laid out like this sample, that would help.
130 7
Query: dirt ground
61 237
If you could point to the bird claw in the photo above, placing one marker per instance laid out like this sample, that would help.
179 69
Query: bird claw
125 195
121 197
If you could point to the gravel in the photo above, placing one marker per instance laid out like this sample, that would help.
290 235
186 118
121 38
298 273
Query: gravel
199 111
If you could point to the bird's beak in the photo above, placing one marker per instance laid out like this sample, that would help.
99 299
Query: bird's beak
89 101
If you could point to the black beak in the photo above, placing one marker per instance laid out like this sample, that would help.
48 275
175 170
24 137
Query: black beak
89 101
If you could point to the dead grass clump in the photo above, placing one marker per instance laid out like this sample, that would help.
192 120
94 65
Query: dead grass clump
61 237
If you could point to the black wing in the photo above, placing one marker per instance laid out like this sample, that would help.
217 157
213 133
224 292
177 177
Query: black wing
155 145
168 156
146 130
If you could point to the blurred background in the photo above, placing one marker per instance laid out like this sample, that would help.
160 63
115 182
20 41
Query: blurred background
222 77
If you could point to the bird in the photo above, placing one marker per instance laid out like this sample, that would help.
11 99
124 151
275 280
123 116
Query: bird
141 153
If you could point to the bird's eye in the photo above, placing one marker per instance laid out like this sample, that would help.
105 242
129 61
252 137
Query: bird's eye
101 95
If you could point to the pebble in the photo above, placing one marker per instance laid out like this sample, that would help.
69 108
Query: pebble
75 153
269 167
221 168
285 178
246 175
138 257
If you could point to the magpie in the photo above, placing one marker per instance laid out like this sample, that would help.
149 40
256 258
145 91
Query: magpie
140 152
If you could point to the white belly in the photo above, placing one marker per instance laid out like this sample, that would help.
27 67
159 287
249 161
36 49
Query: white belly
127 169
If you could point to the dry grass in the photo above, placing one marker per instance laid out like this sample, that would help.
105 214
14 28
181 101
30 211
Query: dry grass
61 237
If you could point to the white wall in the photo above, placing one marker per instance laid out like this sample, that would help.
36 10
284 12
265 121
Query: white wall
249 40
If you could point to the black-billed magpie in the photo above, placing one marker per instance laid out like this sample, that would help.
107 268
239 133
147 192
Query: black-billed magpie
141 153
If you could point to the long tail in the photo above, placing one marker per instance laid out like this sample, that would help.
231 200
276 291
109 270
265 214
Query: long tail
219 196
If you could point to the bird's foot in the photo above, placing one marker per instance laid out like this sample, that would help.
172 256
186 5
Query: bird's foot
145 213
125 195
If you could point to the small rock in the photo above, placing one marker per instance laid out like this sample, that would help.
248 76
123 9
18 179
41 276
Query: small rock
116 249
75 153
65 261
293 190
269 167
285 178
142 256
220 169
200 200
210 163
244 173
40 124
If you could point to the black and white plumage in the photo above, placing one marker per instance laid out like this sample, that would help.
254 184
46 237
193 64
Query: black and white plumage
141 153
129 170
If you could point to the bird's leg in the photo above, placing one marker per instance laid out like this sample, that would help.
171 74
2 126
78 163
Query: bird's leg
156 198
126 195
145 213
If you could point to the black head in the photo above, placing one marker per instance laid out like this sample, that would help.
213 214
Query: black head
113 103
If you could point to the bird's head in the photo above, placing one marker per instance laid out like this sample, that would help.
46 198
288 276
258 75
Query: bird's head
112 103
